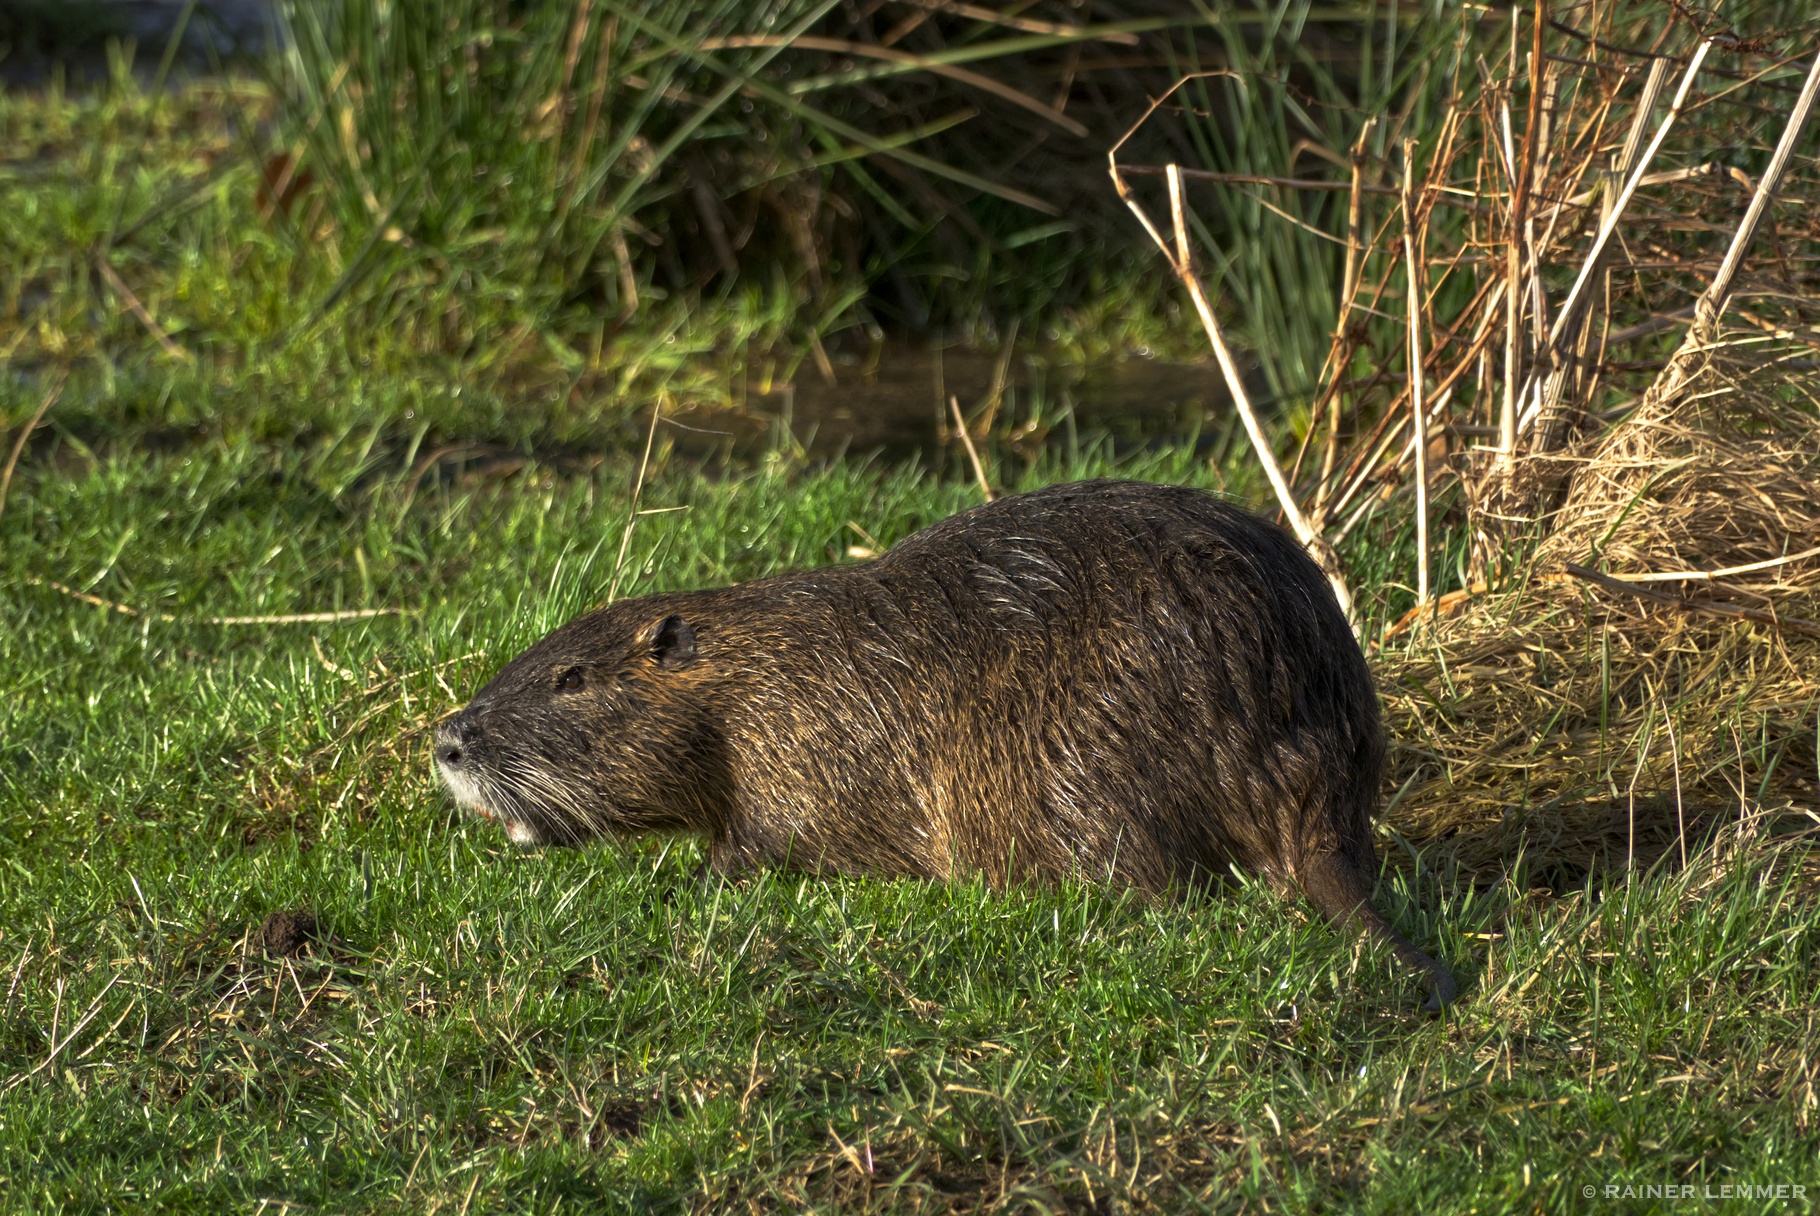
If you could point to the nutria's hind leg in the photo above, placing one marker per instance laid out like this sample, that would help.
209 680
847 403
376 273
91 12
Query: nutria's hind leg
1335 884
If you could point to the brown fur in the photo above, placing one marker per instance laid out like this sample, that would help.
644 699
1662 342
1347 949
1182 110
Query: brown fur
1112 680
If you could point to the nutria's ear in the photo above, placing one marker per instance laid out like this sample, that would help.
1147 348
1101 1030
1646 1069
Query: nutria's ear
673 645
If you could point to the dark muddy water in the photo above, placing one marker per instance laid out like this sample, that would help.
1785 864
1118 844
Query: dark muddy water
41 35
896 402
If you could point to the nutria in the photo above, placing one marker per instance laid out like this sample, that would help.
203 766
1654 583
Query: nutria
1113 680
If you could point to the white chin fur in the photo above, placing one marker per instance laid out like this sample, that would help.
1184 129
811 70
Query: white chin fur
466 793
461 786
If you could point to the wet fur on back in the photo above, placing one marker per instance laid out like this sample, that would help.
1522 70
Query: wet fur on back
1118 681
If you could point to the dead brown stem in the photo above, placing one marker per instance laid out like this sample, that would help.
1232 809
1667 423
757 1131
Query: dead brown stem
1707 607
12 458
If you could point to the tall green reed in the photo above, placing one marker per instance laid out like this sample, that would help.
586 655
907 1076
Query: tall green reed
1291 91
564 162
486 152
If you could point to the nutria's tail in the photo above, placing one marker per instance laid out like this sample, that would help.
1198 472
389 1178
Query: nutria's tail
1333 883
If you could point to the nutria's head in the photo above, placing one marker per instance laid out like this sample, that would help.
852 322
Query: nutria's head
600 728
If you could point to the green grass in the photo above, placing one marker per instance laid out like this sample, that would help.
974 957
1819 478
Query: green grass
503 1031
483 1030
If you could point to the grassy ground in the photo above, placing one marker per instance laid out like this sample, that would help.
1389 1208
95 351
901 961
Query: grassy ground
477 1029
489 1030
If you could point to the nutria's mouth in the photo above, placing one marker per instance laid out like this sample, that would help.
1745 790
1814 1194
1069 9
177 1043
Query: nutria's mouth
517 831
469 796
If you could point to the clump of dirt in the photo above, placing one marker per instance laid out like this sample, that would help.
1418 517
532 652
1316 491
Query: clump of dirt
622 1120
286 934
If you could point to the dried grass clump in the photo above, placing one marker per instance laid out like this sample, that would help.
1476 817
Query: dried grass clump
1584 727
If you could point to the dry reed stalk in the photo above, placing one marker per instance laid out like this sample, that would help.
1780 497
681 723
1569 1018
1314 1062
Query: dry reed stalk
1629 587
138 310
1339 355
278 618
1517 180
632 512
1674 746
1181 264
25 434
1609 223
1677 576
1712 302
1418 417
991 17
995 393
926 63
973 456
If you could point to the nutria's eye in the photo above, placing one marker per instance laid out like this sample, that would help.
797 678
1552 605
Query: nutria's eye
570 680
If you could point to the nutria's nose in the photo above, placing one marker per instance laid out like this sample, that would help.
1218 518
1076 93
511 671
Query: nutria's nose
455 738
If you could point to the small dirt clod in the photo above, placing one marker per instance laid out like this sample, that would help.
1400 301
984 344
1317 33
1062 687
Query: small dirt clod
286 933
